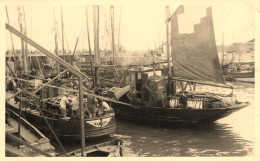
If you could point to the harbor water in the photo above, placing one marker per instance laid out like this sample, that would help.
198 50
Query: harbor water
233 135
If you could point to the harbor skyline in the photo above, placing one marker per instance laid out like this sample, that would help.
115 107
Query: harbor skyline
148 22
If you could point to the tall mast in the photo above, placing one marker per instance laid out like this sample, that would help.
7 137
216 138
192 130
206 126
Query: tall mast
56 42
20 20
167 11
96 42
89 48
62 30
25 44
113 36
118 43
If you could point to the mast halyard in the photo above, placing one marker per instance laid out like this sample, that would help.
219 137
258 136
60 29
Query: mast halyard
14 52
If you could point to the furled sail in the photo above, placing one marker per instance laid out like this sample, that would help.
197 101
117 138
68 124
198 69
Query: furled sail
195 55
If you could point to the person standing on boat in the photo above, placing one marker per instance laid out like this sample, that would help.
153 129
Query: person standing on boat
92 105
63 104
75 105
183 99
103 105
132 96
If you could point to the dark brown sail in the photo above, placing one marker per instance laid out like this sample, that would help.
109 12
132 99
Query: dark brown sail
195 55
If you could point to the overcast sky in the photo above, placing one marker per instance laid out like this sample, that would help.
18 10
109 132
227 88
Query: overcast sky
141 26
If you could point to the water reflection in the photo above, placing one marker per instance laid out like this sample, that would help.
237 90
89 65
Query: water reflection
212 140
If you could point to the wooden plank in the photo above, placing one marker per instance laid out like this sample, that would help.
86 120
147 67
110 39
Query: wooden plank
27 144
9 129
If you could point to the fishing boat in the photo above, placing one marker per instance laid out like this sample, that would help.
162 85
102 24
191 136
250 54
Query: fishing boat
105 149
173 100
32 142
65 128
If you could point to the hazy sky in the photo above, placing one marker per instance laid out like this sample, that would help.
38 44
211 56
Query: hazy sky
141 26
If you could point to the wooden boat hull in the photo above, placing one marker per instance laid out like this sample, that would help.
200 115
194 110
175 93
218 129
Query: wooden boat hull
172 116
68 128
106 149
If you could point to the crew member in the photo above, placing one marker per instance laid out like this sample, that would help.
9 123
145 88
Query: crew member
183 100
75 105
63 104
103 105
132 96
92 105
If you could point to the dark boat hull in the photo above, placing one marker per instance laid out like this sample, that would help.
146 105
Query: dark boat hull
249 74
68 128
171 116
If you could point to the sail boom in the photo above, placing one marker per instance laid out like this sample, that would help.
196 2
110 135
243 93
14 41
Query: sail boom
201 82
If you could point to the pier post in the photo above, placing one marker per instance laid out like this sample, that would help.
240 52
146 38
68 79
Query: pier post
82 114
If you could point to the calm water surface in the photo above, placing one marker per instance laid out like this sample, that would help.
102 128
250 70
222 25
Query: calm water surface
230 136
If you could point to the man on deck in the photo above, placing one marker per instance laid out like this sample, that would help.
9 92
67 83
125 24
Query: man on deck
132 96
92 105
75 105
63 103
103 105
183 99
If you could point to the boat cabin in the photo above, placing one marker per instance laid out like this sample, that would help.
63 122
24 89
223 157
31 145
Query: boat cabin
149 84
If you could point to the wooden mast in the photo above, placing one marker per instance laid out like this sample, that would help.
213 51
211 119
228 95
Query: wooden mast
25 44
20 20
118 43
89 48
96 42
113 35
62 30
167 10
56 43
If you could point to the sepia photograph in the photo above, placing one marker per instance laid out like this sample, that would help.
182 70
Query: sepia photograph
129 79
